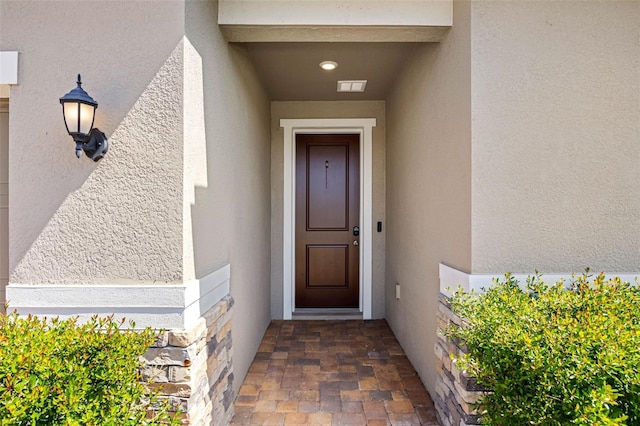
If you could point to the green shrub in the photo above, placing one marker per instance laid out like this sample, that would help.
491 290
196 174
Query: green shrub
554 355
63 373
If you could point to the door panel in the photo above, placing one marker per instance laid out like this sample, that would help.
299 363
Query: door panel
327 266
327 210
327 202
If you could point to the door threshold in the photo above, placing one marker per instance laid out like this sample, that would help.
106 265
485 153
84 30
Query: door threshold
327 314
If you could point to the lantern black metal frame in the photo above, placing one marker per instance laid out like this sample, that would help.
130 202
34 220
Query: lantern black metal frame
94 143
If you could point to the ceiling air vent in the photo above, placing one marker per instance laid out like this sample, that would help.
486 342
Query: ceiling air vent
351 85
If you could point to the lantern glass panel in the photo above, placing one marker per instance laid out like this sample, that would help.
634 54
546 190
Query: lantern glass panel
86 118
84 124
71 116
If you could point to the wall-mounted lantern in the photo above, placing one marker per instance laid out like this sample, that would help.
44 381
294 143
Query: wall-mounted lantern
78 109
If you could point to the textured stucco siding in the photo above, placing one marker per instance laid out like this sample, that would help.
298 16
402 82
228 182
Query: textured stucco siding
195 148
428 186
556 131
299 110
230 208
184 188
4 198
512 146
71 220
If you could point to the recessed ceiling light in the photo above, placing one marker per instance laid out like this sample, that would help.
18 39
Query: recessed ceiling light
328 65
352 85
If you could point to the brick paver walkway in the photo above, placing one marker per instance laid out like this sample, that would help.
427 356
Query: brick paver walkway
332 373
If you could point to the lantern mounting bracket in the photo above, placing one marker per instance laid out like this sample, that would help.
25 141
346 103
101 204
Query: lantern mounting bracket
95 145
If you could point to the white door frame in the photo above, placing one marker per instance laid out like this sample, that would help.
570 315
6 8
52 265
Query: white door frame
364 128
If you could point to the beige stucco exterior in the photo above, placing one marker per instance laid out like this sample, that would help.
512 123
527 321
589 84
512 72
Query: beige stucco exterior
4 197
428 186
511 145
86 222
231 213
169 203
556 126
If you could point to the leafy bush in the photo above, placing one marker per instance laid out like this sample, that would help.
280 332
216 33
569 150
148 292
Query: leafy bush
63 373
554 354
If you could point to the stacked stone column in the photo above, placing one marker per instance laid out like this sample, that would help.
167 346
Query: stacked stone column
456 392
193 368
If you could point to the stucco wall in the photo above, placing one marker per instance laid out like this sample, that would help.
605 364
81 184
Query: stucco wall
512 146
365 109
184 189
74 221
4 198
556 131
230 213
428 186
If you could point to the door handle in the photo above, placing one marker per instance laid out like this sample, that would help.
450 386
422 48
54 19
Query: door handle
356 243
356 231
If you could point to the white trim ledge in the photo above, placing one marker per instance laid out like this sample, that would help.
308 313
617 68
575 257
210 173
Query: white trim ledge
8 67
159 306
451 279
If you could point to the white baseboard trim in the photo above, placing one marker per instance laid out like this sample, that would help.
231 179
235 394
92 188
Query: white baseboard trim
158 306
451 279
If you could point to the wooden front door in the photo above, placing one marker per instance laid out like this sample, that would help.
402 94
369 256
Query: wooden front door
327 221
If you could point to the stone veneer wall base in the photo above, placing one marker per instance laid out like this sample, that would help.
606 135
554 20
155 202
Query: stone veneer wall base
193 368
456 392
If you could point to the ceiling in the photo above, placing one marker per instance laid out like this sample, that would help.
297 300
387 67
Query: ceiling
291 71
